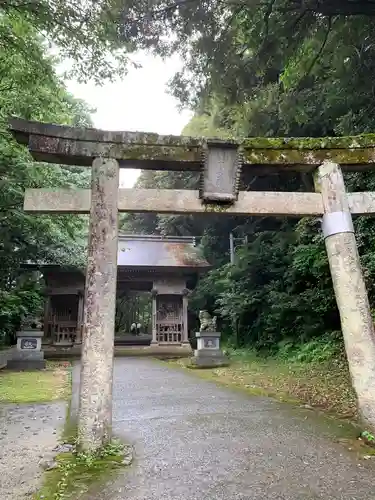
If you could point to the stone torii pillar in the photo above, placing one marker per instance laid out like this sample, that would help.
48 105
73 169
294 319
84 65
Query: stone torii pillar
95 403
349 285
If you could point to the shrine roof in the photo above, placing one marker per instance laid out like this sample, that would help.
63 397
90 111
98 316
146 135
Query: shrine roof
141 251
149 253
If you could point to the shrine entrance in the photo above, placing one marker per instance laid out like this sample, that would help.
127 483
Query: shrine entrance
154 278
133 315
169 322
223 165
63 319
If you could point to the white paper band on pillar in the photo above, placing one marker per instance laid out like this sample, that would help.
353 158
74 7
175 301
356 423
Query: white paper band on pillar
337 222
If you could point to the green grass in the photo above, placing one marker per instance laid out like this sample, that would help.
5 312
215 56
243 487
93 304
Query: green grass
324 385
41 386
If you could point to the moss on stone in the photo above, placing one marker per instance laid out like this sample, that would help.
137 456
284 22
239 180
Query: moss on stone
309 157
83 144
216 207
155 152
148 139
76 474
310 143
22 129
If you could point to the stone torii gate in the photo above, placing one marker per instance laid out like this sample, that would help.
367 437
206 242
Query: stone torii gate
220 163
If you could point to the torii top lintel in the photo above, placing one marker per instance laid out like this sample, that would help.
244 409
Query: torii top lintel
79 146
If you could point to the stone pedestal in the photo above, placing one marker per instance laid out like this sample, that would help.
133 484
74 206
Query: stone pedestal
208 353
28 354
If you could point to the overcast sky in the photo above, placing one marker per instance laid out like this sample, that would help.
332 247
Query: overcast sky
138 103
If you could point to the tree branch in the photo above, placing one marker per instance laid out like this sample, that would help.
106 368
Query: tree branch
319 53
336 7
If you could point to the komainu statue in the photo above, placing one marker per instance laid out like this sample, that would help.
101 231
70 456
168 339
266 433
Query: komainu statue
207 322
31 323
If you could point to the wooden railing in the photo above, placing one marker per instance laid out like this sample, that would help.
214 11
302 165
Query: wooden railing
169 332
65 332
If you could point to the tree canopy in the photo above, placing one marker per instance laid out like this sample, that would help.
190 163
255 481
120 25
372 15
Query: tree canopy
277 68
252 68
86 32
33 94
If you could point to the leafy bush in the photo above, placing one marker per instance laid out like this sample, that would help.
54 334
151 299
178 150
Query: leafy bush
14 305
317 350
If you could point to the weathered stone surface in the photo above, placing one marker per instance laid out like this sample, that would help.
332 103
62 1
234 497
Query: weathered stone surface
306 160
361 203
71 151
57 200
64 448
23 128
176 201
186 201
351 294
29 340
210 361
208 353
28 354
221 173
207 322
95 410
201 353
61 144
48 464
5 355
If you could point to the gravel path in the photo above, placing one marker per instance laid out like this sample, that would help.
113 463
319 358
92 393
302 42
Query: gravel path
196 441
28 433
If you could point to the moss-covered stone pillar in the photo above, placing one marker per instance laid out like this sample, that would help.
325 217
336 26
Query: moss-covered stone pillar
349 285
95 403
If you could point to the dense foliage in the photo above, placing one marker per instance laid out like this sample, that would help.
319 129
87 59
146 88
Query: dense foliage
274 68
29 91
88 34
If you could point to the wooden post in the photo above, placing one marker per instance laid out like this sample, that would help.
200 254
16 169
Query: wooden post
95 403
154 313
185 332
47 305
350 290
